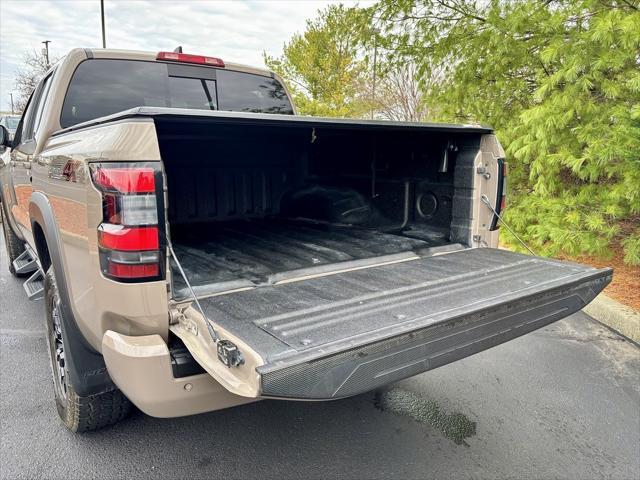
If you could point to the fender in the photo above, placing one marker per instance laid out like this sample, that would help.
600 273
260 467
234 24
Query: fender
87 370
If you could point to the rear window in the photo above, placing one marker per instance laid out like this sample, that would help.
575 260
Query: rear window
102 87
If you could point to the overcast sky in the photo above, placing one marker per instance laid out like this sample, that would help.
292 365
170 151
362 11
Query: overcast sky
236 31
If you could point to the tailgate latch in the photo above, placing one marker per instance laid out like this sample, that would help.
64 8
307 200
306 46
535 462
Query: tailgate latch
229 354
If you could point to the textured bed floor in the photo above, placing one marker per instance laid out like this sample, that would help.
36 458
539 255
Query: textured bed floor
254 250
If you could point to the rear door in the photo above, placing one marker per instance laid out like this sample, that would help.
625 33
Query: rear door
338 335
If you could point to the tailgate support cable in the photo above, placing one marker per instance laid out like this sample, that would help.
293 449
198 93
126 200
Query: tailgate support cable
212 332
486 201
228 353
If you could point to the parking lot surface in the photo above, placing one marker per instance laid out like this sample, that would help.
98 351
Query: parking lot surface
562 402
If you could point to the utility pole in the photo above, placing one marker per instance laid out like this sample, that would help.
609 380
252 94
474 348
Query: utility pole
375 66
12 111
46 51
104 35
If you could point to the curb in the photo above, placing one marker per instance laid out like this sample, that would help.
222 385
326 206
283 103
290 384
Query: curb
615 315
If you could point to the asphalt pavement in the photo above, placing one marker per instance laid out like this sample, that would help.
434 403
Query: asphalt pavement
561 402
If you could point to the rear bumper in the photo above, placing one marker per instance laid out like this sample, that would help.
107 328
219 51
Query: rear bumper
141 368
378 363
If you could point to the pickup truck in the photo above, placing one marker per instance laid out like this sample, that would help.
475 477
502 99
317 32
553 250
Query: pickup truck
198 245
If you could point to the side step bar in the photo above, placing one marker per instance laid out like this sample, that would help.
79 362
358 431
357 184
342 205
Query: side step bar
34 286
26 262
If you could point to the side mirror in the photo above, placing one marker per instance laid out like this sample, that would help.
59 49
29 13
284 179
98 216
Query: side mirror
5 140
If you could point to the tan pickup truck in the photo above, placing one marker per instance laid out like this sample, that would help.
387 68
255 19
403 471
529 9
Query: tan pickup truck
199 246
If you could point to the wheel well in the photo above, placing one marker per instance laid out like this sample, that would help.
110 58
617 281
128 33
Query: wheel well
41 247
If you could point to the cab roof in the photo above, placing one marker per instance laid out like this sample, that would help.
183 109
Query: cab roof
152 56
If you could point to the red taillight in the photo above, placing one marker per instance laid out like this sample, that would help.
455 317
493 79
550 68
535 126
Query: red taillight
188 58
123 270
129 235
125 180
117 237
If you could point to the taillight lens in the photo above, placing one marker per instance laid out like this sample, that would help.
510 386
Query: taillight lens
129 236
125 180
133 272
117 237
130 209
501 197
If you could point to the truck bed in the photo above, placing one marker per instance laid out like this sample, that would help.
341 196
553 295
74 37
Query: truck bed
229 255
338 335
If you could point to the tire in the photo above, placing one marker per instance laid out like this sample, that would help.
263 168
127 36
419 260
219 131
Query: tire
12 243
79 414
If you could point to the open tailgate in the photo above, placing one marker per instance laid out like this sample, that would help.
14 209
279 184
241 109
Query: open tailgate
343 334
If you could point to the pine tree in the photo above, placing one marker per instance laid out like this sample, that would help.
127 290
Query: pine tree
560 82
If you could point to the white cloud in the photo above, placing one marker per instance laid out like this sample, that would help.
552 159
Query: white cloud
237 31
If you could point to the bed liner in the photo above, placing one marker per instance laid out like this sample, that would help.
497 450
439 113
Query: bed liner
248 253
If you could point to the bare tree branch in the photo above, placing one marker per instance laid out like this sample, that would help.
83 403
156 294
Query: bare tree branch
27 77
